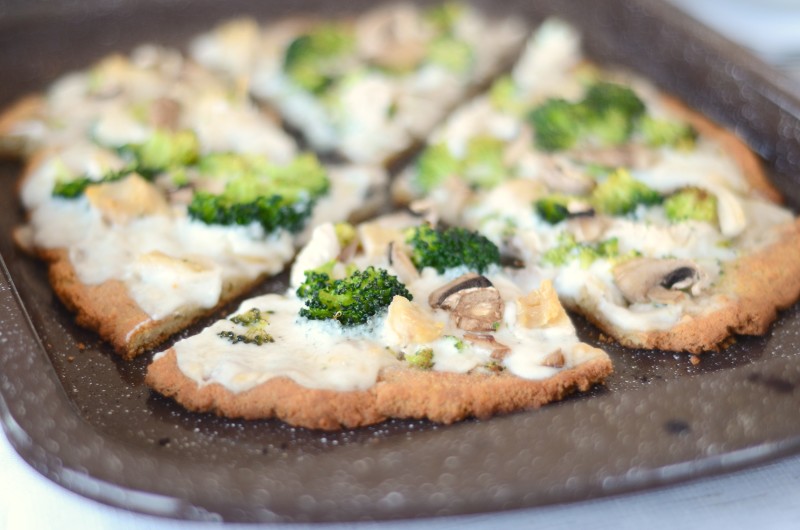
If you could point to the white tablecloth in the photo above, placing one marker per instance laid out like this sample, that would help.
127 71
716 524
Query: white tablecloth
767 496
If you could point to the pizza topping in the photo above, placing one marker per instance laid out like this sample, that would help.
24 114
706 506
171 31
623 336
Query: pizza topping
124 200
164 113
254 323
555 359
393 37
540 307
401 263
451 248
643 280
352 300
555 208
499 350
691 203
411 323
474 303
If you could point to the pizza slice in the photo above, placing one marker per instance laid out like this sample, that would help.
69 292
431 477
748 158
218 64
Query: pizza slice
169 195
657 225
394 319
369 87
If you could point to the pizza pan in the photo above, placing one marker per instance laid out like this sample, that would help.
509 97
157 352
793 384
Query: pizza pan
84 419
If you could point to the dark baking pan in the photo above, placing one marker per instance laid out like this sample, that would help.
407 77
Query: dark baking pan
85 420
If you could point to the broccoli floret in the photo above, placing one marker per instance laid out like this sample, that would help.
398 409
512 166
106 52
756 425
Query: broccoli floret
569 250
691 204
345 233
556 124
458 344
254 323
451 54
74 188
443 17
279 197
504 96
554 208
658 133
352 300
450 248
422 358
620 193
483 163
309 58
607 114
434 165
163 150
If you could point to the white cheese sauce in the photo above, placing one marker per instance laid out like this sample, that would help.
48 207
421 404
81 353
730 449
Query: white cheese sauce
326 355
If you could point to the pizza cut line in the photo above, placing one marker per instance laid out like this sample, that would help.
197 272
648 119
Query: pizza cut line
157 191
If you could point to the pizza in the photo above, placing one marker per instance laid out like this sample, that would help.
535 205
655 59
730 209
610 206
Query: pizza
655 224
159 187
157 193
394 319
370 87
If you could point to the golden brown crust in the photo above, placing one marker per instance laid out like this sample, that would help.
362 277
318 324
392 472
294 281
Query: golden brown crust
752 291
13 145
399 393
109 310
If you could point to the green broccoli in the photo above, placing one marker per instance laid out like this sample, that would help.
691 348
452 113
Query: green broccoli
556 207
75 187
451 54
620 193
658 133
483 164
443 17
310 58
434 165
451 248
422 358
608 114
352 300
691 204
503 95
556 124
277 197
569 250
163 150
611 112
255 323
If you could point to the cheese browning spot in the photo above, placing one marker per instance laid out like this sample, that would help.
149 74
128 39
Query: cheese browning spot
540 307
411 324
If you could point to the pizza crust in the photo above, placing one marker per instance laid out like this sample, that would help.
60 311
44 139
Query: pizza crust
399 393
752 290
109 310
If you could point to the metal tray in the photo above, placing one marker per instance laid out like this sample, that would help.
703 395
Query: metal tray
84 419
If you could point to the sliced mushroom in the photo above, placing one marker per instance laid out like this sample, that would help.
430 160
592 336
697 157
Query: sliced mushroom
588 228
445 203
473 302
402 264
554 359
499 350
562 175
392 37
658 280
627 155
165 113
410 322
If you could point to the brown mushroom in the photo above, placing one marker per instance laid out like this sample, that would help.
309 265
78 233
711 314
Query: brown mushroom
164 113
630 156
499 350
658 280
473 302
554 359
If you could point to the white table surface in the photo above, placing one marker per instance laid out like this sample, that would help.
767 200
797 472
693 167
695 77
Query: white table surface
766 496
